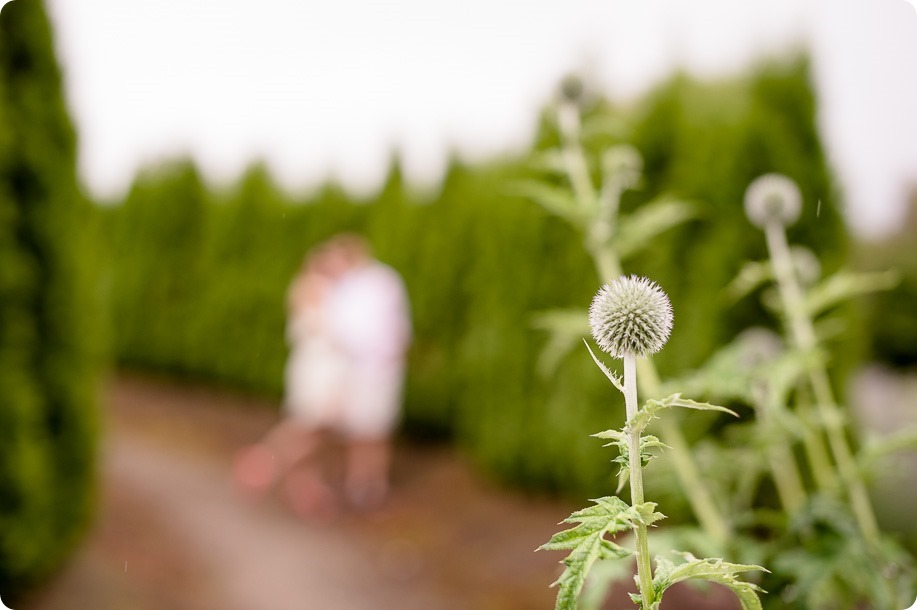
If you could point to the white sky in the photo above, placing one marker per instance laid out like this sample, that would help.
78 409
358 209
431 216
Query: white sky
331 88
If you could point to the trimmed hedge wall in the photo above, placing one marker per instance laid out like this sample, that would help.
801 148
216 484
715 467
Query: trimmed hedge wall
48 342
198 276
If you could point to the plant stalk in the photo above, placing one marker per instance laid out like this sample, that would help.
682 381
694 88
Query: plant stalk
803 334
608 266
784 470
572 151
635 463
693 485
816 452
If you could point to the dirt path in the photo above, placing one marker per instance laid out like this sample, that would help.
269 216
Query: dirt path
173 534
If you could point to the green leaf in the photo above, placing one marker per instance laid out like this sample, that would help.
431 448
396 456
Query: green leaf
619 439
751 276
876 449
557 201
565 327
637 230
603 125
587 541
845 285
608 372
712 570
550 161
649 410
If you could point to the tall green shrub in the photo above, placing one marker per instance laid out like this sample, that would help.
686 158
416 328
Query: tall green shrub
47 336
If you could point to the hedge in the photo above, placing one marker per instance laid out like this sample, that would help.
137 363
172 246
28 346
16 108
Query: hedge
49 345
198 274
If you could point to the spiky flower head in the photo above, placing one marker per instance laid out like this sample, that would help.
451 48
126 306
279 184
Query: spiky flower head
631 314
772 197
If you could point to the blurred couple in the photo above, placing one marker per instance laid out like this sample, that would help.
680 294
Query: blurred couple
349 328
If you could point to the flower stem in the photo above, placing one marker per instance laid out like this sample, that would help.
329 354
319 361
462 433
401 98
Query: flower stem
693 485
784 469
572 151
803 334
608 266
816 452
635 463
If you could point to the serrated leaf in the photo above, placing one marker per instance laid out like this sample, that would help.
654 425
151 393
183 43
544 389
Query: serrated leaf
712 570
587 543
558 201
609 434
845 285
638 229
648 411
608 372
619 439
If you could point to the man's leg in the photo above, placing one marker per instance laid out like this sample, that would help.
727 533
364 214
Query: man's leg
367 472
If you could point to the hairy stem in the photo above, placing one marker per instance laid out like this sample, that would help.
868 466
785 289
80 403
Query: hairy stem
635 463
803 334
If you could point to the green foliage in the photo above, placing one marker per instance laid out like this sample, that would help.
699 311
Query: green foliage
830 565
638 229
652 407
49 343
894 337
197 276
711 570
611 515
619 441
588 544
705 145
823 543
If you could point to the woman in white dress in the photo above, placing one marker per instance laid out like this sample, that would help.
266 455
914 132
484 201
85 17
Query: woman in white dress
312 380
348 329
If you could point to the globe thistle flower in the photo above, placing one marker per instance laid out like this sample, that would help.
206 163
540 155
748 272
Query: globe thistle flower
772 197
631 315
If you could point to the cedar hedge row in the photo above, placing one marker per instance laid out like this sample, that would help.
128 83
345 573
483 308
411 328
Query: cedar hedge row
49 340
197 275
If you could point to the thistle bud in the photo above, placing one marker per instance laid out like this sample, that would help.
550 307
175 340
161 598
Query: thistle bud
630 315
571 89
772 197
806 265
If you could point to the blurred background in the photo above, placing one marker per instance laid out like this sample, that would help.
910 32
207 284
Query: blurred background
165 165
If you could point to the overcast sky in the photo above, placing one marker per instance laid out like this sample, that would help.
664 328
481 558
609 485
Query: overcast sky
330 88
